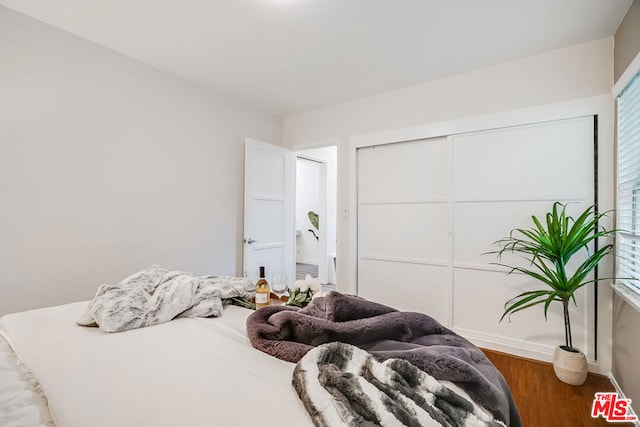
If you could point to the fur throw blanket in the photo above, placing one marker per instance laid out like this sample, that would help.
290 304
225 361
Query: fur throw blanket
289 333
342 385
156 295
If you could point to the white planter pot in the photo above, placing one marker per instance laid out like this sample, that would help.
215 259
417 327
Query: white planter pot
570 367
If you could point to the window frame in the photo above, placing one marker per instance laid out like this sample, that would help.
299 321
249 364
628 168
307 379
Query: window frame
628 287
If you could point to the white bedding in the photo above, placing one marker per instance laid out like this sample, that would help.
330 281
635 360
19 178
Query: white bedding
21 405
187 372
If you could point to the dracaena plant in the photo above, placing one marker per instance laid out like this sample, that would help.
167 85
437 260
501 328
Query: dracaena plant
549 246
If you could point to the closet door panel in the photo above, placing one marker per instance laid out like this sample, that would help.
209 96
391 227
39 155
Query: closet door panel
407 171
406 231
406 286
522 172
548 160
478 225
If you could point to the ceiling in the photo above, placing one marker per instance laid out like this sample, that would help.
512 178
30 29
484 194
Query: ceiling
289 56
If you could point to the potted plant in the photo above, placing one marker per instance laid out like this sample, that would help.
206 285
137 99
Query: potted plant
549 247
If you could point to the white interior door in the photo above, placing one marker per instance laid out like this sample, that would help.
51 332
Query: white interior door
268 209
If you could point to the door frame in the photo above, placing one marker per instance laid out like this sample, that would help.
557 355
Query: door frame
341 193
323 256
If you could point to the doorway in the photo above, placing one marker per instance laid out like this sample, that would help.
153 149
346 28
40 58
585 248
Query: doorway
315 214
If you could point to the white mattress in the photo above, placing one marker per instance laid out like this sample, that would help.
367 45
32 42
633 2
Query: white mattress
187 372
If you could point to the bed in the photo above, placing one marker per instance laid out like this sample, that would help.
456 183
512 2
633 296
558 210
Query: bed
190 371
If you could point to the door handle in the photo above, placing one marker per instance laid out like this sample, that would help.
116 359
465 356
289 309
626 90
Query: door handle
250 241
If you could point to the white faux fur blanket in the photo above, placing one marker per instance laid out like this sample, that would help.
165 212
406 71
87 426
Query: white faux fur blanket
156 295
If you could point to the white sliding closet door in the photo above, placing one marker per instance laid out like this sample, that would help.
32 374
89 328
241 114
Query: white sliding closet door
429 209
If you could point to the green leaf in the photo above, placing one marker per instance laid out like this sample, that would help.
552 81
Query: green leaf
549 247
314 219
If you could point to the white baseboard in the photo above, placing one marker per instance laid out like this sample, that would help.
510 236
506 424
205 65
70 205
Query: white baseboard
621 394
508 345
520 348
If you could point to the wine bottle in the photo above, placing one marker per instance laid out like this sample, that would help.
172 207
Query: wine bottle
263 297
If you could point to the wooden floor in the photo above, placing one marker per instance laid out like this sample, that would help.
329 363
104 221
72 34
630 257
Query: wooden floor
543 400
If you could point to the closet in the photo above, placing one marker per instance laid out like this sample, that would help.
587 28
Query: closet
428 210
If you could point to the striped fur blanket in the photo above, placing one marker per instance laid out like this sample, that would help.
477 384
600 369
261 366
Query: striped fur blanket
342 385
289 334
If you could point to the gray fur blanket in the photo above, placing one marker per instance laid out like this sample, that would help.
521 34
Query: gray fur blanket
342 385
289 333
156 295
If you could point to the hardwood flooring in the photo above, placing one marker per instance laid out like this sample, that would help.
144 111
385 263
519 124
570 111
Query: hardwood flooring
545 401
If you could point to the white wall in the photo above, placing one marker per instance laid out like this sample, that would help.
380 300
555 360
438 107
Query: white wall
571 82
108 165
576 72
568 74
627 40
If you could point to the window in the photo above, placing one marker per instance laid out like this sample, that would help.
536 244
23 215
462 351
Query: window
628 205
